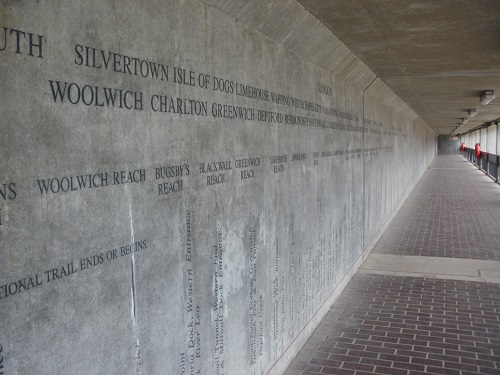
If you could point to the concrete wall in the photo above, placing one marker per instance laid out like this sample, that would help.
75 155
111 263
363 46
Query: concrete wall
185 187
398 149
447 146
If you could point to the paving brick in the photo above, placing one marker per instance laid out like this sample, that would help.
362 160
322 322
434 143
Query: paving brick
476 349
408 366
484 370
305 367
325 362
363 354
327 350
443 358
350 346
409 353
443 345
376 362
486 357
398 358
337 371
377 350
426 361
398 346
390 370
461 366
456 353
369 343
428 349
477 362
331 351
416 342
345 358
358 366
440 370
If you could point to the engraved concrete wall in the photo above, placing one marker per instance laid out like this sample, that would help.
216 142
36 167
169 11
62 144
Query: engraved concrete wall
180 193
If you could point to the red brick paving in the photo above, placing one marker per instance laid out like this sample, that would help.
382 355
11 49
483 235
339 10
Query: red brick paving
383 324
453 212
406 325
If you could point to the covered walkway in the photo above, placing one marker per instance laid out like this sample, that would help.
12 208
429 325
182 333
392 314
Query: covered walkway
427 299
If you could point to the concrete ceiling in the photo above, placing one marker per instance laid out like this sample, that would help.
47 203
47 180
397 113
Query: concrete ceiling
437 55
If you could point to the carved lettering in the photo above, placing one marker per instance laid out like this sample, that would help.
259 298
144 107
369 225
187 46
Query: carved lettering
324 89
215 166
160 103
137 357
278 168
184 76
72 183
8 191
97 96
189 298
233 112
183 363
248 173
115 62
216 179
172 171
92 261
223 85
296 157
269 116
252 92
279 159
189 248
246 163
20 285
133 248
170 187
33 43
1 361
125 177
56 273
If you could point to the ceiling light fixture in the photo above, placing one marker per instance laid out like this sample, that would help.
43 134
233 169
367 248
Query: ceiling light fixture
464 120
457 128
487 96
472 112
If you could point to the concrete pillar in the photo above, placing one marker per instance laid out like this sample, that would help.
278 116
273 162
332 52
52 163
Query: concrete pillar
497 152
484 148
479 136
478 140
487 169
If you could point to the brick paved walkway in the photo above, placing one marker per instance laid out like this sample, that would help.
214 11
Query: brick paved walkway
453 212
394 324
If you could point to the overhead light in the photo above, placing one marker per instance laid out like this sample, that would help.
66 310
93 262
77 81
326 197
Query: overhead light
457 128
472 112
464 120
487 96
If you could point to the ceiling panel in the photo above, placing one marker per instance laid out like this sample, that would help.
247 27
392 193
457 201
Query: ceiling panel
437 55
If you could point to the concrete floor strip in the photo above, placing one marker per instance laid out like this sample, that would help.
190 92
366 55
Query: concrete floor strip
437 267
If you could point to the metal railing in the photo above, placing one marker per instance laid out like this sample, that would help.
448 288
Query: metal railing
488 163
